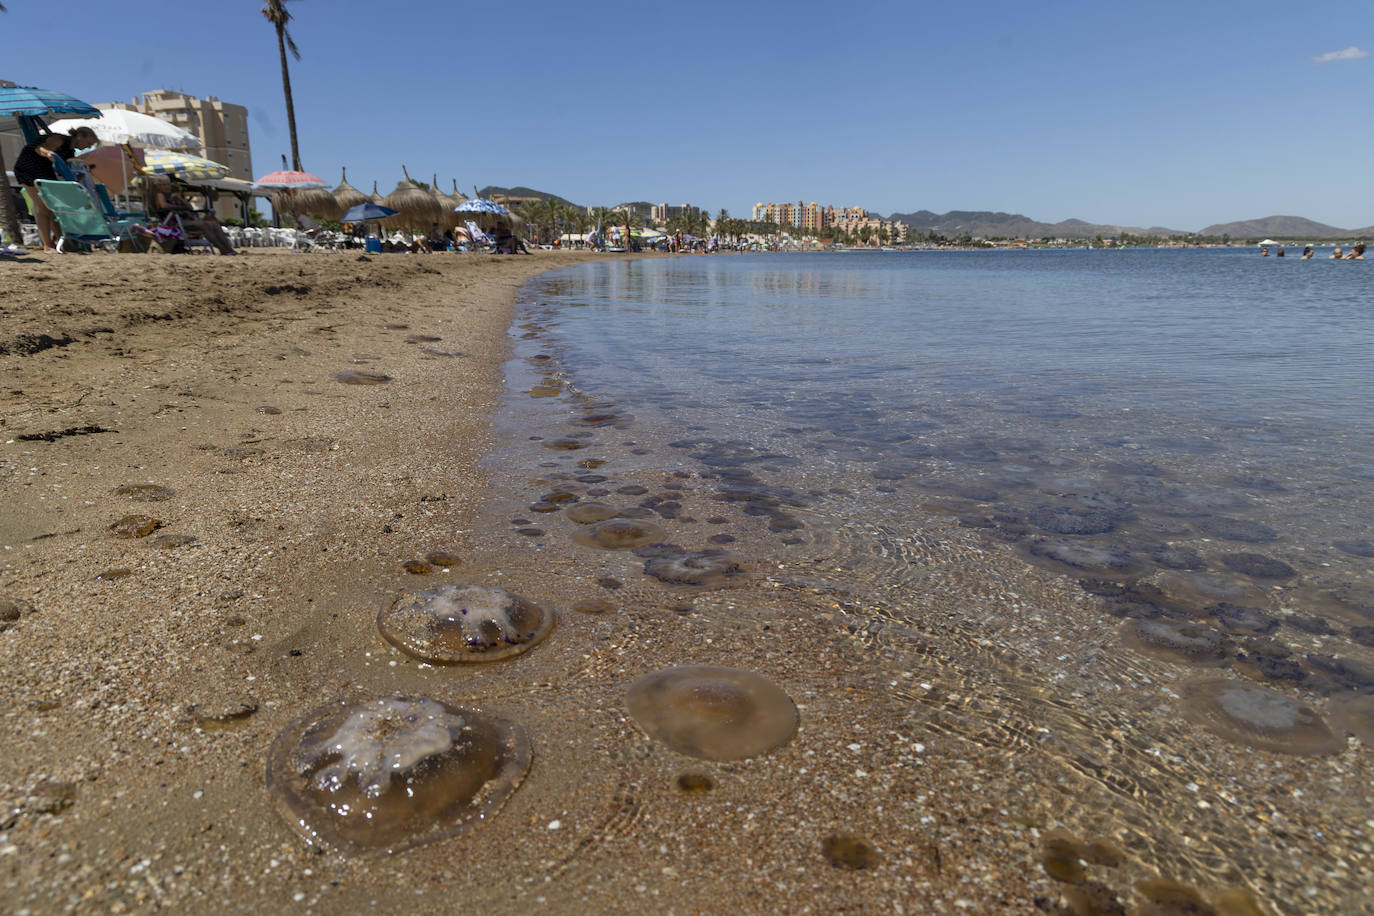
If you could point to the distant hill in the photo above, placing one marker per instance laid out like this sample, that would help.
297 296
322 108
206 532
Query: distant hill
1281 227
521 191
990 224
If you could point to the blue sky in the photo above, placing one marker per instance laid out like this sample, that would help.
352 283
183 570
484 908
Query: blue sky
1148 114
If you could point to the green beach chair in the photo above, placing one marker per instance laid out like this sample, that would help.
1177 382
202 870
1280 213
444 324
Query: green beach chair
75 213
79 216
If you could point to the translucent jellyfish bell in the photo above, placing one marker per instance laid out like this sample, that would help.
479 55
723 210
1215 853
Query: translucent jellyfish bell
455 624
711 712
377 776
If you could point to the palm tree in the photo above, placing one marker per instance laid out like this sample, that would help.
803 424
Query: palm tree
277 14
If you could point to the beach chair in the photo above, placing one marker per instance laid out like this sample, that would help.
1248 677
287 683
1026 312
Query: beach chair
77 216
108 207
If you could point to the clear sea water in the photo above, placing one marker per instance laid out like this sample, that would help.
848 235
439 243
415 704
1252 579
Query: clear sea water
1179 434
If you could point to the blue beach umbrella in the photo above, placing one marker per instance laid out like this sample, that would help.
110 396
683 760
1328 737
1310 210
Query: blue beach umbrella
28 104
481 205
364 212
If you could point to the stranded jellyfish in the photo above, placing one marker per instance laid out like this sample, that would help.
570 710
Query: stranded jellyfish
359 377
453 624
377 776
619 534
1256 716
144 492
711 712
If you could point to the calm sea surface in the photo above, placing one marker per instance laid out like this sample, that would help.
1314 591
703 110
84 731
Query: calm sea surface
1186 437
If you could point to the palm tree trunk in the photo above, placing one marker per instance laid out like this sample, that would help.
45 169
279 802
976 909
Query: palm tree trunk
9 217
290 107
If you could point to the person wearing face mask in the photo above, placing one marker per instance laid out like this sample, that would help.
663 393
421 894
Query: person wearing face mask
35 162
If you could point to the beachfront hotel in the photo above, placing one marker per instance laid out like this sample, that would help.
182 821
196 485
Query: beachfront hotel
813 217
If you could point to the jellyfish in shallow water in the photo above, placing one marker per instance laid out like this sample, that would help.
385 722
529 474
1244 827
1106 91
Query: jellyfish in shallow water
710 569
377 776
453 624
1255 716
590 513
1189 643
619 534
711 712
1354 713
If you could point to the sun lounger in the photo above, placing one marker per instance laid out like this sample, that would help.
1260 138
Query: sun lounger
76 214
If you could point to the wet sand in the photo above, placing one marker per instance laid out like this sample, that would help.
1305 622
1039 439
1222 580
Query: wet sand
143 688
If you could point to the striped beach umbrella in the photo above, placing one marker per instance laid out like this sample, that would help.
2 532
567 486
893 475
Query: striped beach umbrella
181 165
289 181
31 102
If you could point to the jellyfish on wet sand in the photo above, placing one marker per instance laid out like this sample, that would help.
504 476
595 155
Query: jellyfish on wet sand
1257 717
712 712
454 624
381 775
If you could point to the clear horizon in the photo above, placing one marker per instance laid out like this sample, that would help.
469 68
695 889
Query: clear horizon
1174 115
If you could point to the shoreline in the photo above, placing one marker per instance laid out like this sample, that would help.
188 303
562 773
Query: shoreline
138 709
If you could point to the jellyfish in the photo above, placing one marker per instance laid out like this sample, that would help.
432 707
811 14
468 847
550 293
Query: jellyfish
619 534
377 776
454 624
1257 717
1189 643
710 569
1354 713
590 513
711 712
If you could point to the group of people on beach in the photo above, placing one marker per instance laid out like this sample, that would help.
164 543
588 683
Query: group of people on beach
1356 253
172 218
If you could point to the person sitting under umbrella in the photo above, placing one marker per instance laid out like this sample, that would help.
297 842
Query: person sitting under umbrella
35 161
167 202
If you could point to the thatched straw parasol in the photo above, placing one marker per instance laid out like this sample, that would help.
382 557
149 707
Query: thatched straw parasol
450 219
345 195
315 202
415 207
377 198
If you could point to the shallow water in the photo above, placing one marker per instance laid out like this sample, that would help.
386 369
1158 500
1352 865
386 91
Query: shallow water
925 443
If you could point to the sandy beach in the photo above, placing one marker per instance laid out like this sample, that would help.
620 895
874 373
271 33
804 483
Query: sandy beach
217 471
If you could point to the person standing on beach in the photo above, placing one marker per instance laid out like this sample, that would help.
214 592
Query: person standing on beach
35 162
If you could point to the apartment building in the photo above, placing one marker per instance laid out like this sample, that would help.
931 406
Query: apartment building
222 128
813 217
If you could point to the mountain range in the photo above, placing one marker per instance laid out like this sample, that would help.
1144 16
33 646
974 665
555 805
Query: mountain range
990 224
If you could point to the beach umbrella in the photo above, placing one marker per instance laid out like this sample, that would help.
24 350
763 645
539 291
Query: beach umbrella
457 196
345 195
181 165
365 212
481 205
446 204
287 180
29 105
113 166
119 125
289 190
414 206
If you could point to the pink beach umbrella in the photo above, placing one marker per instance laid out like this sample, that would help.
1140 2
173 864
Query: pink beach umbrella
289 181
